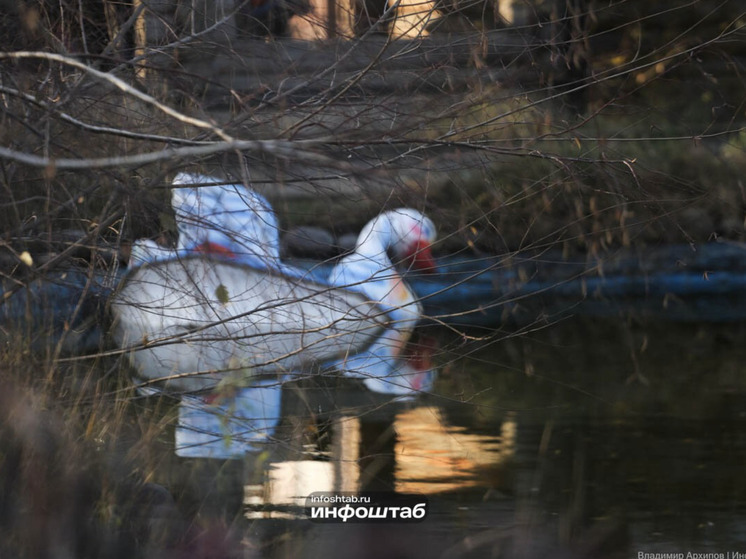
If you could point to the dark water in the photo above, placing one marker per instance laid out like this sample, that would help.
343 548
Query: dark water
583 439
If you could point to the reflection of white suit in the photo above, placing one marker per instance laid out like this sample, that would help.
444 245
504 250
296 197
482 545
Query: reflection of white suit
228 427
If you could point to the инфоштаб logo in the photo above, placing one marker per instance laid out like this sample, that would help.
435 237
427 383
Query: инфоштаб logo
353 508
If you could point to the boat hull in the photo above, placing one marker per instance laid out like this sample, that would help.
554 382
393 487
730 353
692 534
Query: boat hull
193 322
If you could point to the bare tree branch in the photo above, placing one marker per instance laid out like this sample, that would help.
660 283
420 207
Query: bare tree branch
122 85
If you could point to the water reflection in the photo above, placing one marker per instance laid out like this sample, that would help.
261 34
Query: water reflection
414 450
548 444
433 456
227 425
232 421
